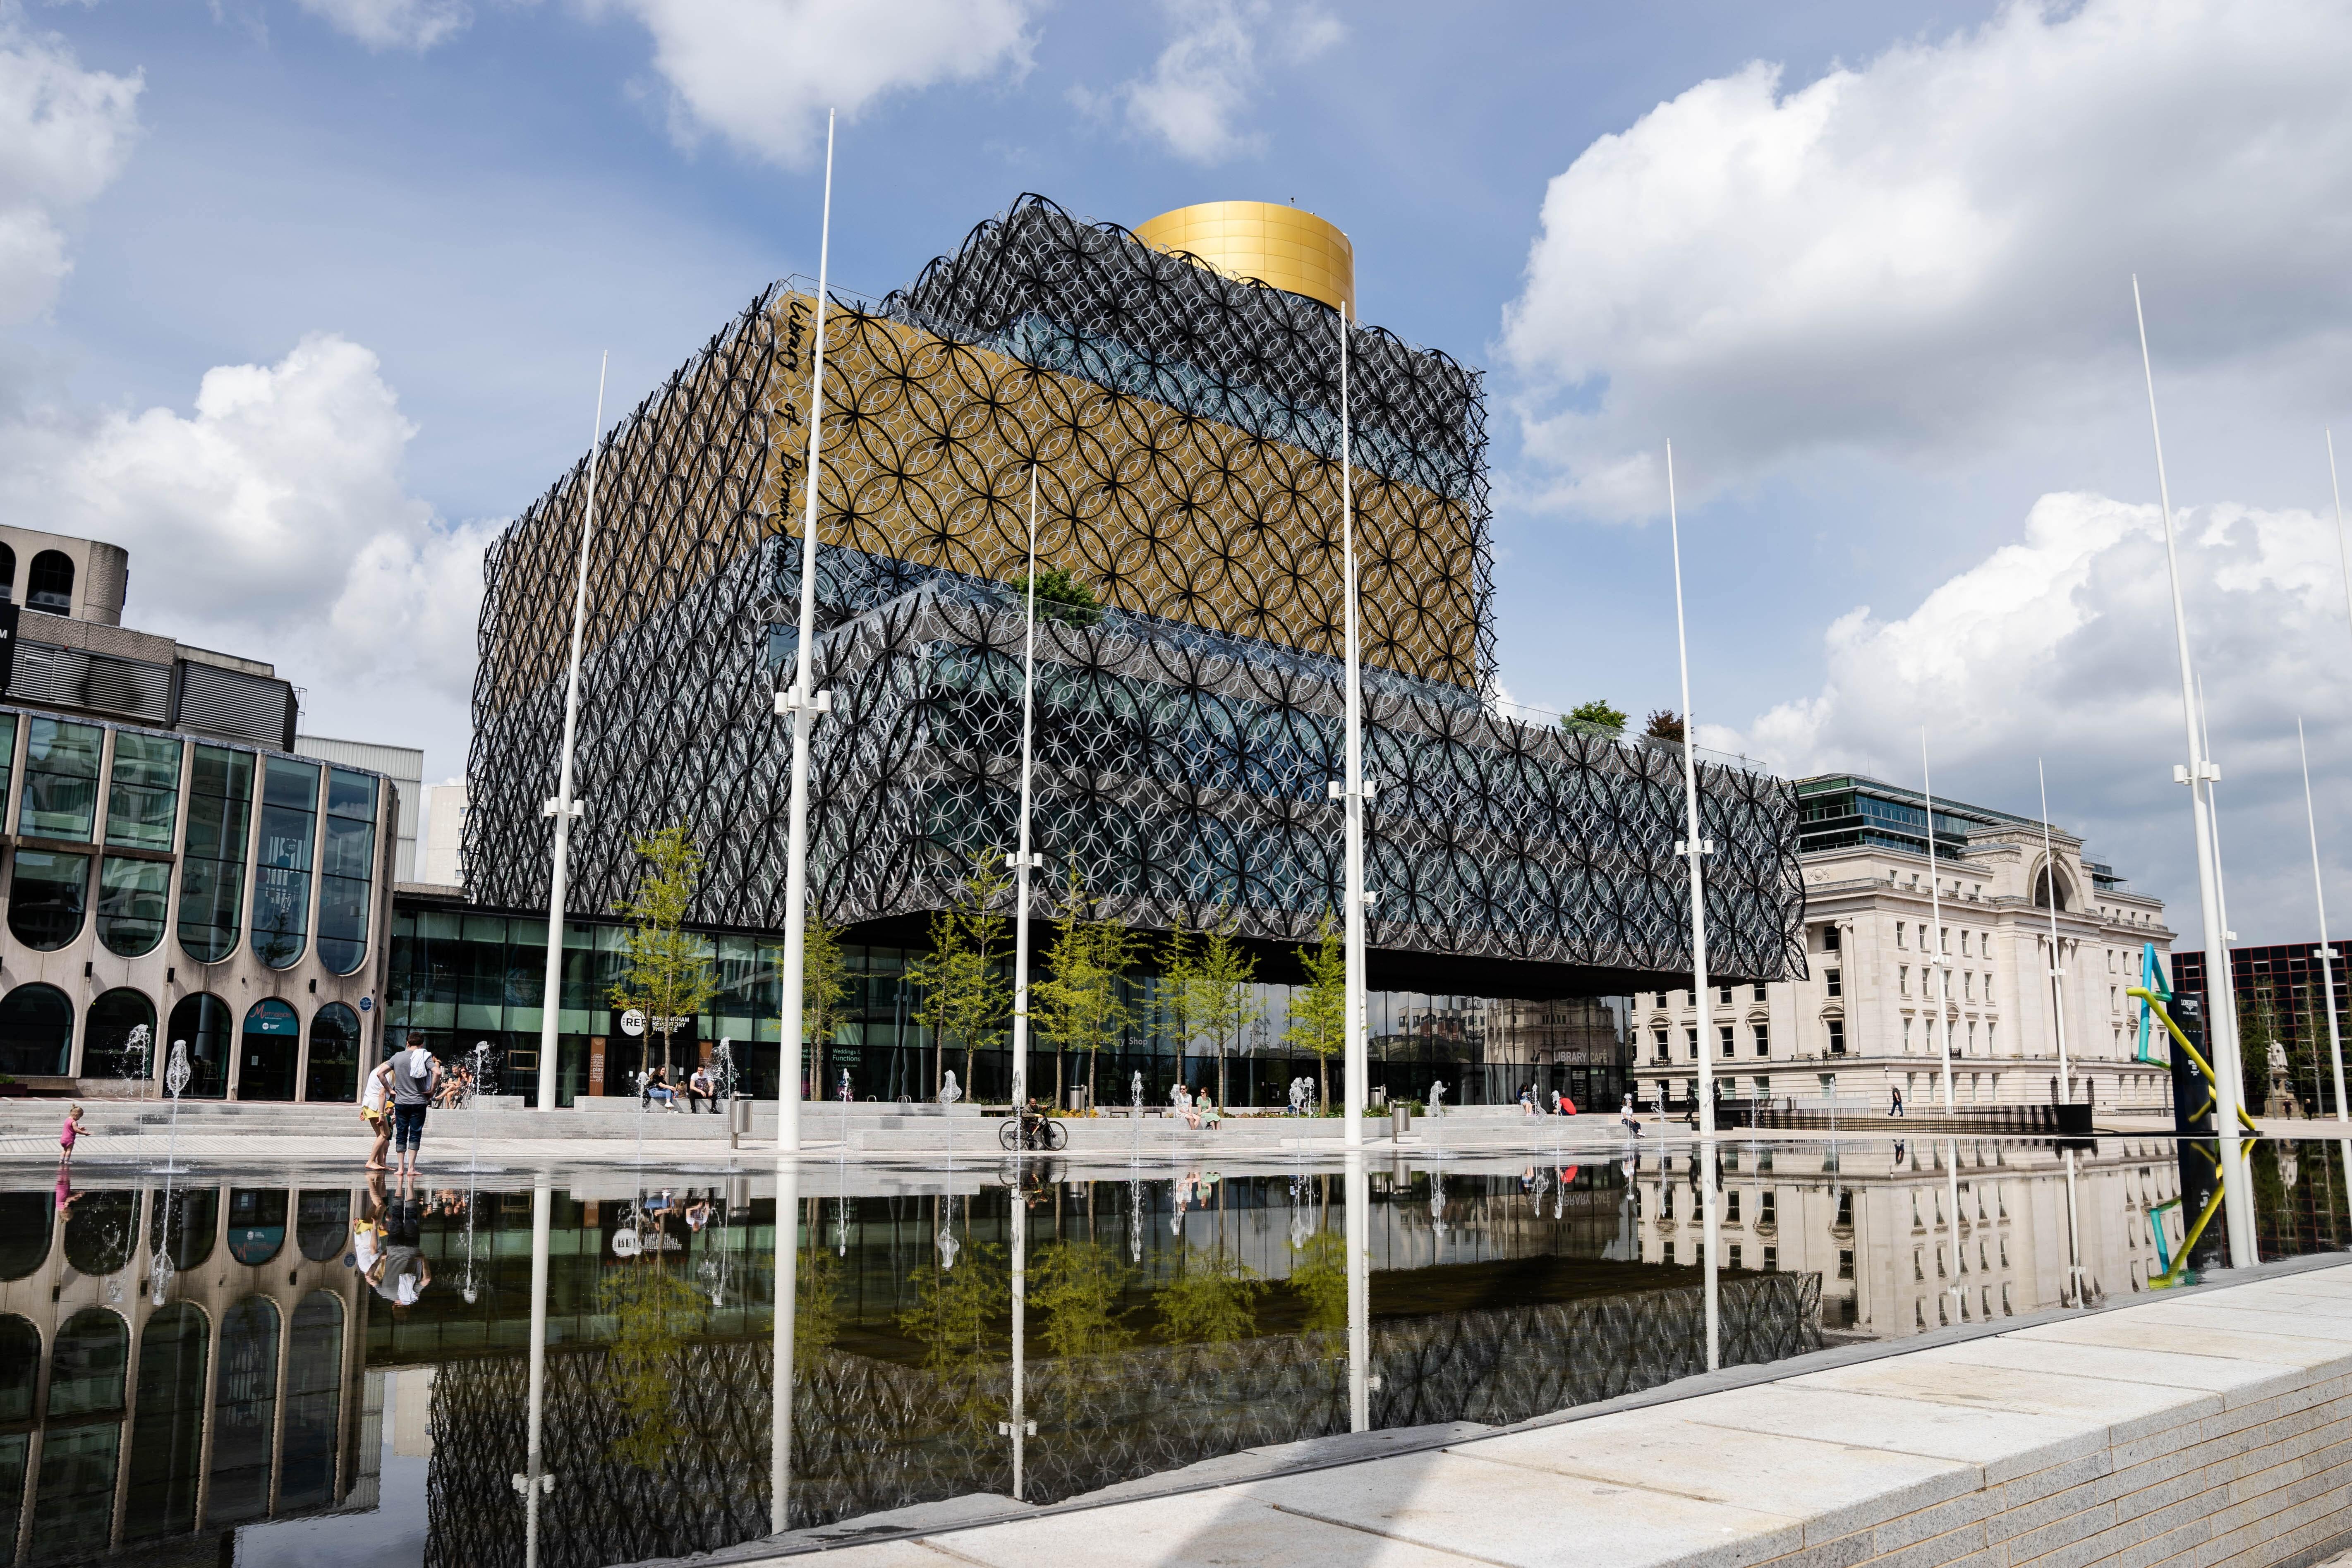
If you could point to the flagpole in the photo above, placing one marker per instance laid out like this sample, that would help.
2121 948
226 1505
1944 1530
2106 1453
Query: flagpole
803 705
563 808
1358 1068
2326 954
2057 974
1693 846
2237 1205
1935 931
1023 860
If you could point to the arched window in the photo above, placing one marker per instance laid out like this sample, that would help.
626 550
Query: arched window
134 898
101 1233
48 895
49 585
203 1022
20 1367
346 870
118 1036
244 1412
36 1029
94 1349
334 1070
212 863
281 884
272 1043
314 1387
2041 890
24 1233
257 1224
167 1436
7 575
183 1228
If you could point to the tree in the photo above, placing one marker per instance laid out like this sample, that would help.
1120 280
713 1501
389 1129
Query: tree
825 992
1079 1008
1179 972
665 971
655 1313
1222 983
1595 718
1664 724
964 996
1318 1010
1063 597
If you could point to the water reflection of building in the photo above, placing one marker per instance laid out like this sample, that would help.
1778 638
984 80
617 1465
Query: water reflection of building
1895 1256
126 1423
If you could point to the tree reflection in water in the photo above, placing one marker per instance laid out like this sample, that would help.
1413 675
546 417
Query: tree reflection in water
655 1311
1212 1300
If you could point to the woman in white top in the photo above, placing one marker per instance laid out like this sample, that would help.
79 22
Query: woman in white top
375 1109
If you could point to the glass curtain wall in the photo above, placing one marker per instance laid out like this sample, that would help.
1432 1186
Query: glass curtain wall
289 833
142 807
211 869
346 870
49 889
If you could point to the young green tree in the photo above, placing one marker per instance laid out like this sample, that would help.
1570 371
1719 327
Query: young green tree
1080 1006
1595 718
825 993
965 998
665 970
1318 1010
1224 983
1179 974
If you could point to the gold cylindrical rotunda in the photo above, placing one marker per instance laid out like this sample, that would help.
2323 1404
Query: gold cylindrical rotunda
1282 247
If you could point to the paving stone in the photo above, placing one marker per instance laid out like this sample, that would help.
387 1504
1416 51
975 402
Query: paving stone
1213 1529
2007 1443
2233 1379
1504 1514
2125 1409
2127 1331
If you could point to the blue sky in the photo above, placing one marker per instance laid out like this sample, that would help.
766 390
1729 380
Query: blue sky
1867 263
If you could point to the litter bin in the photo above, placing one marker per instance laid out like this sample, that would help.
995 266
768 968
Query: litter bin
1400 1120
739 1121
1077 1099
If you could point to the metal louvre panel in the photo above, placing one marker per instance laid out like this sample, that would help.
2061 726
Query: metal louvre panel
232 703
71 677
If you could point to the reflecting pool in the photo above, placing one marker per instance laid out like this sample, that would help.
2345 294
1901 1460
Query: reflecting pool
581 1371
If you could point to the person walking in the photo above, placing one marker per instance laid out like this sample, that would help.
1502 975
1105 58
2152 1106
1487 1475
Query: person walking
1896 1108
375 1109
415 1074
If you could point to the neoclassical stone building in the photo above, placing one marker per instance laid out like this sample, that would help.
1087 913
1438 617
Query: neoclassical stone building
1862 1022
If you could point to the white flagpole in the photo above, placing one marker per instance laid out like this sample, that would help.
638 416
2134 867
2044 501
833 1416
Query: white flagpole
803 705
1693 846
2326 954
2221 1041
1023 860
563 808
1359 1071
2057 973
1935 930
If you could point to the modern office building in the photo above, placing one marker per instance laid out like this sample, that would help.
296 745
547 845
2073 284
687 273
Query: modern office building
1180 418
1862 1021
173 871
2282 995
403 766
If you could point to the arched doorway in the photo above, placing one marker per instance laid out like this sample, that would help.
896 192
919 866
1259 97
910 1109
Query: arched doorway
35 1031
271 1045
334 1073
118 1036
202 1022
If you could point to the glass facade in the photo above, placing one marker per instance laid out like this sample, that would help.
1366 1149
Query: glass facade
61 798
142 798
346 870
48 894
459 977
133 897
212 867
290 832
36 1031
203 1022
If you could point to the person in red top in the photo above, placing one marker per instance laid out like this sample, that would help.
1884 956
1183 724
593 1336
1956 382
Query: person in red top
70 1133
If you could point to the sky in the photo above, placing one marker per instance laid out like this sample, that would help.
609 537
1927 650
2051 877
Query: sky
302 299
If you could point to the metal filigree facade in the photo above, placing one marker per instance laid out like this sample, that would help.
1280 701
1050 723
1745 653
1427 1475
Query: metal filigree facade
1184 428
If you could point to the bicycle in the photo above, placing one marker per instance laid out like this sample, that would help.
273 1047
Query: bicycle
1023 1132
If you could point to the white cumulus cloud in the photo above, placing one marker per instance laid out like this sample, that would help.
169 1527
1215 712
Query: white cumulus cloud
65 134
272 520
762 73
1198 92
415 25
1930 252
2061 646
